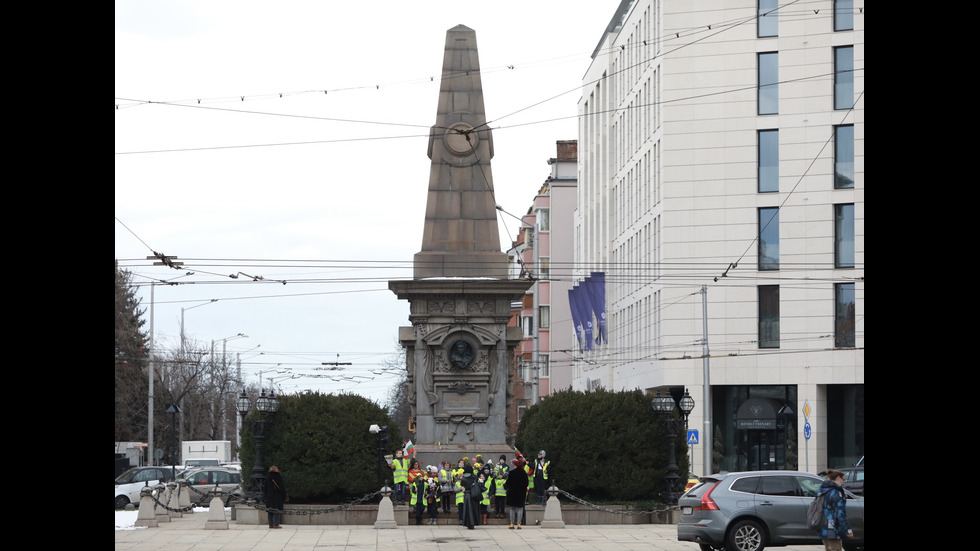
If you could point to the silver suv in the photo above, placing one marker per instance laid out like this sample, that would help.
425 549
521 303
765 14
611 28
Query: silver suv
202 481
747 511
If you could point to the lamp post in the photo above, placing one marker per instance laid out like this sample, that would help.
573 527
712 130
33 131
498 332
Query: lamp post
173 410
382 433
665 405
686 406
267 407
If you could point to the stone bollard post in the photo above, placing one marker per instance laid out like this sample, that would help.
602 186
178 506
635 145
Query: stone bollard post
184 496
146 516
386 511
172 505
552 510
160 498
216 512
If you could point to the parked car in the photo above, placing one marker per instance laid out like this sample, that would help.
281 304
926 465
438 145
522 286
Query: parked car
131 482
853 478
201 482
748 511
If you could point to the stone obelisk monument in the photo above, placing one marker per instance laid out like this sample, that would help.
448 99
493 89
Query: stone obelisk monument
459 350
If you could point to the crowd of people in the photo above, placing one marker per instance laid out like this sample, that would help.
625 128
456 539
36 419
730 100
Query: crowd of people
474 487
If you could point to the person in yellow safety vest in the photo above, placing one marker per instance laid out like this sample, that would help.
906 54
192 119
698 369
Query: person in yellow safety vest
445 485
529 469
541 476
400 467
460 492
501 467
500 495
487 484
416 483
477 463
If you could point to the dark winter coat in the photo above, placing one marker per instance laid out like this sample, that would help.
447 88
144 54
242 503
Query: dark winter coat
516 486
274 491
471 504
835 525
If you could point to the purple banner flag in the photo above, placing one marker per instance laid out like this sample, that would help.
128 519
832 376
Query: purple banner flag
597 292
576 322
583 304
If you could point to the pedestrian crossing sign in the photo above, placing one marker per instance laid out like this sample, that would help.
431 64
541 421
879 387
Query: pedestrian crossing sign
692 437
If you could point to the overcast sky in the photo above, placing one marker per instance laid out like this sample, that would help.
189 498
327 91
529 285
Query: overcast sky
286 142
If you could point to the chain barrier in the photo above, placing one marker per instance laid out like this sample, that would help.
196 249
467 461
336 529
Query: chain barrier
245 500
262 507
604 509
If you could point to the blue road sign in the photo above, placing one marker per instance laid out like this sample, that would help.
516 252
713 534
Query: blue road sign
806 430
692 437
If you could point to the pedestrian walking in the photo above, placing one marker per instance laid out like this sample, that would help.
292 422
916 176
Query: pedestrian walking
835 526
274 493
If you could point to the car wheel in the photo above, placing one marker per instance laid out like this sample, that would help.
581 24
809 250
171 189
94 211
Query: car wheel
745 535
121 502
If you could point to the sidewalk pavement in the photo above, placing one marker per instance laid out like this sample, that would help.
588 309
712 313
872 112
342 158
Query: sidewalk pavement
188 533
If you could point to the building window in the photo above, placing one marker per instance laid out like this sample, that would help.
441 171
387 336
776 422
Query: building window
843 77
843 15
844 315
768 160
544 268
768 316
769 238
544 317
529 238
768 18
527 325
544 219
520 412
544 360
844 235
520 370
768 83
844 156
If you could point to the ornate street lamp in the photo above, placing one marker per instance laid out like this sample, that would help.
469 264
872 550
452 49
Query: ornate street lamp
665 405
382 432
686 406
173 410
266 406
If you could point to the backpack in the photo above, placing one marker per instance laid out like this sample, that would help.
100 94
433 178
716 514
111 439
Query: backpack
814 515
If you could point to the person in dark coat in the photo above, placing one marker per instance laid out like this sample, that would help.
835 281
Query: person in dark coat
274 492
516 486
471 504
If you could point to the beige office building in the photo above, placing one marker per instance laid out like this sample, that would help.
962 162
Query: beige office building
721 194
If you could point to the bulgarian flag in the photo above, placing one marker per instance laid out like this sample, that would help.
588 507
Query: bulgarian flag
409 448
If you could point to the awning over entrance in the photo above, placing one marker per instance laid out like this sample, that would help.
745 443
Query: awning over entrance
762 413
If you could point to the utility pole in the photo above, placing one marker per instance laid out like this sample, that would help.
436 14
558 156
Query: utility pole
149 428
706 438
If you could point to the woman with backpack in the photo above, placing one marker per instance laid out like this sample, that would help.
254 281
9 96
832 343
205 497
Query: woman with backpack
834 526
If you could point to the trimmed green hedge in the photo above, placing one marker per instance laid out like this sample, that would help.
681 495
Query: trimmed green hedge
322 446
603 446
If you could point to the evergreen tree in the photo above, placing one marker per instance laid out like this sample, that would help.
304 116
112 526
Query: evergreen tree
131 383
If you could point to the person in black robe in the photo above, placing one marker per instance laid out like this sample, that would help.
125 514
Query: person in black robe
274 492
472 495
